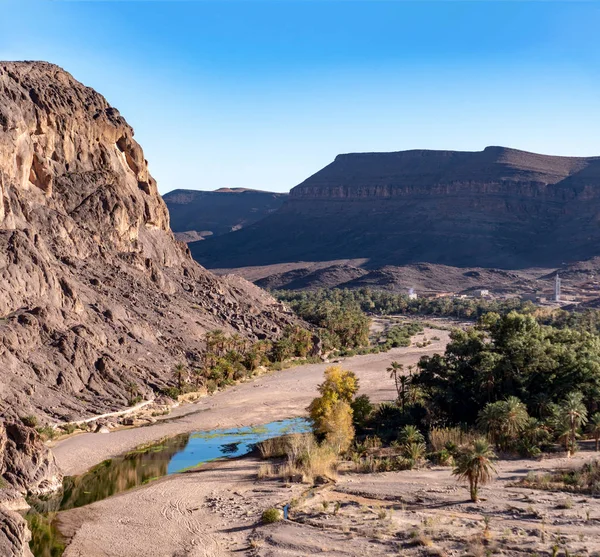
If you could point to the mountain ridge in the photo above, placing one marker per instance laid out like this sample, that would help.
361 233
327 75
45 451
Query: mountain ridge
499 207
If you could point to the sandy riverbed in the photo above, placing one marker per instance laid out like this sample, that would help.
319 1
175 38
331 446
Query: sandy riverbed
279 395
215 511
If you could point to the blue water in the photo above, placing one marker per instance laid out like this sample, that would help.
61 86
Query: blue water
227 443
172 456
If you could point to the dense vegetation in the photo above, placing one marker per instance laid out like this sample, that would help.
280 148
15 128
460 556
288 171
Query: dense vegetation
510 356
230 358
521 385
389 303
509 384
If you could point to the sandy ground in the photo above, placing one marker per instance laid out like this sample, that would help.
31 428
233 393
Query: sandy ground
279 395
216 511
425 512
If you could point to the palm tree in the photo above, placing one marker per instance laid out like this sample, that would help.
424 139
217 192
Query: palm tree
410 434
490 421
198 374
594 428
504 421
180 373
414 453
394 369
216 341
574 414
515 417
475 465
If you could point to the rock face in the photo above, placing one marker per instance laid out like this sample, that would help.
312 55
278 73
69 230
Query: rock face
14 535
495 208
95 292
26 464
199 214
26 467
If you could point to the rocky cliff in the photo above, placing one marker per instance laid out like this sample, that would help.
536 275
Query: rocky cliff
198 214
95 292
27 467
495 208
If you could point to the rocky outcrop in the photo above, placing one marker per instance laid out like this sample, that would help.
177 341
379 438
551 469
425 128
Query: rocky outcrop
95 292
495 208
26 464
27 467
14 535
199 214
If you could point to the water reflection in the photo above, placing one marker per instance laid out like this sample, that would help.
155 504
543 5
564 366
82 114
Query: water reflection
139 467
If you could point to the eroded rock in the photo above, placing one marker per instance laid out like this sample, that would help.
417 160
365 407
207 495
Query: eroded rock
95 292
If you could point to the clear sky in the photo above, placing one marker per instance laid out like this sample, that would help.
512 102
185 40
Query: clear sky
262 94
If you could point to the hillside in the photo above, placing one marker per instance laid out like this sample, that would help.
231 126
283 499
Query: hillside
95 292
198 214
499 208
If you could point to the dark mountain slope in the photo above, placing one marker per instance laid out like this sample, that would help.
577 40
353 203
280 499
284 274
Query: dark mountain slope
212 213
495 208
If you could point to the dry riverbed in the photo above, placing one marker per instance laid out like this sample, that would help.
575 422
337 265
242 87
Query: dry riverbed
215 510
276 396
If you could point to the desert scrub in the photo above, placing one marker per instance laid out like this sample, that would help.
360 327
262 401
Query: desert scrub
265 471
450 437
270 516
583 480
46 432
275 447
302 457
69 428
29 421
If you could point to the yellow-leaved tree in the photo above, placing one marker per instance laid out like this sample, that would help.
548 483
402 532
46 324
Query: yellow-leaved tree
331 413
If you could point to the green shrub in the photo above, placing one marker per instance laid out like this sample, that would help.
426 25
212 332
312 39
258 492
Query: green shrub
171 392
270 516
29 421
46 432
69 428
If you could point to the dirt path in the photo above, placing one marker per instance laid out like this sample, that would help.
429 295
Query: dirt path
280 395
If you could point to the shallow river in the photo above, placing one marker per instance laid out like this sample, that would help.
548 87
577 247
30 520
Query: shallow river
171 456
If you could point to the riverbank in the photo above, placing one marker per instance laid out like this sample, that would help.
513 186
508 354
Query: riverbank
216 511
277 396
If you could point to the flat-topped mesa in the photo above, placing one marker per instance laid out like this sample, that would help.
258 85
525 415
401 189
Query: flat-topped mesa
95 292
493 170
495 208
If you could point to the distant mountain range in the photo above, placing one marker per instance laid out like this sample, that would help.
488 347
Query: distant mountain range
196 215
497 208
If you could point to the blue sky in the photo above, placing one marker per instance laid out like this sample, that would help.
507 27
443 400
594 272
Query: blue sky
262 94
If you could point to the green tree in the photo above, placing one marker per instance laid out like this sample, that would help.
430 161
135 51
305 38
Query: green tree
594 428
198 374
361 410
283 349
395 370
574 414
180 373
216 341
474 464
504 421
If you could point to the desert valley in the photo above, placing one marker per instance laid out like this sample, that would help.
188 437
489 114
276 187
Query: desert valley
400 356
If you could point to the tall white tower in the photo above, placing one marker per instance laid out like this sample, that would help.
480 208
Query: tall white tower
557 288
